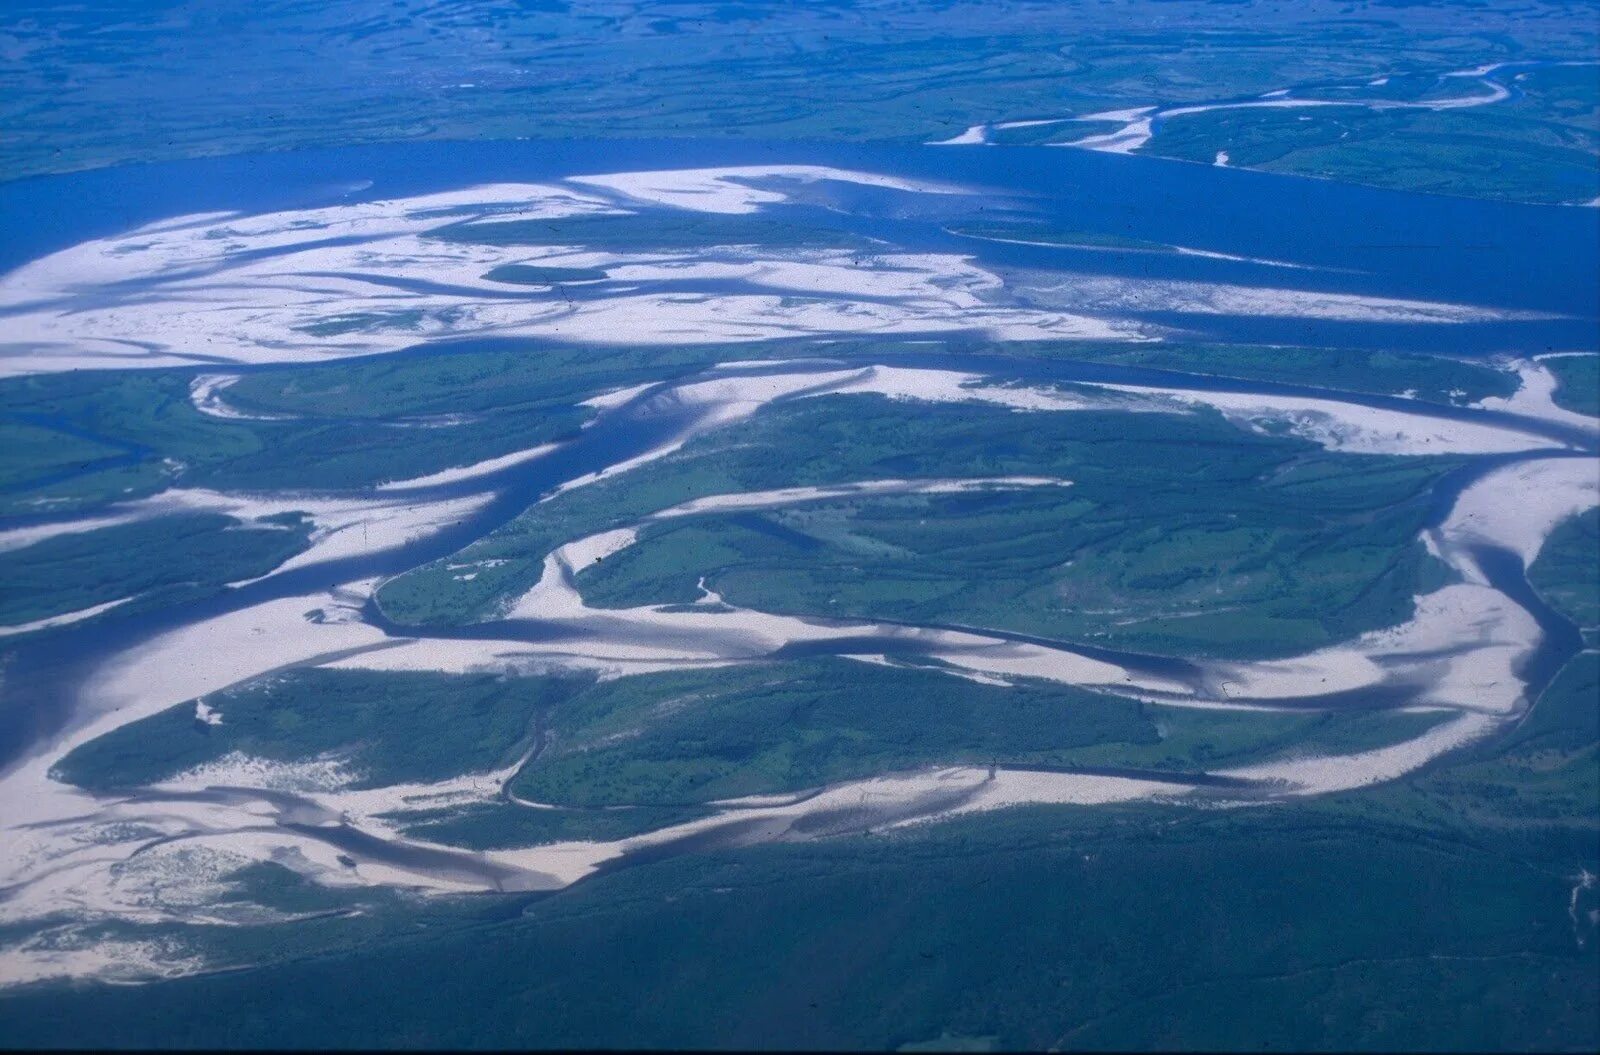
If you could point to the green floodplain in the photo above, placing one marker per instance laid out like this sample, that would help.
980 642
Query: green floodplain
84 442
1428 914
703 70
1444 910
1267 523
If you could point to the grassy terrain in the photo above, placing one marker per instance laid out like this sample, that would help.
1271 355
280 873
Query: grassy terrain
35 453
149 559
643 752
75 441
1268 523
501 826
509 379
1427 914
1080 928
697 736
1577 382
1162 543
1567 572
1432 378
388 728
1479 152
115 435
692 737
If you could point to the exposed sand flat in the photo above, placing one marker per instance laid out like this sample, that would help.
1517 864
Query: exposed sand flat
237 769
1323 775
1135 134
1112 296
721 401
976 135
1128 114
1461 647
201 658
197 243
471 472
65 619
880 660
1019 659
618 397
1011 787
1352 427
607 660
1547 491
343 526
302 286
1333 424
952 386
955 279
73 952
1535 397
728 190
866 488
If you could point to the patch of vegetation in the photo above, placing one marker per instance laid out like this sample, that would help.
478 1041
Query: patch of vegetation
347 425
1120 928
385 728
668 740
1567 571
691 737
1577 383
471 379
1282 546
505 826
35 453
1474 151
1428 377
534 275
1163 542
152 559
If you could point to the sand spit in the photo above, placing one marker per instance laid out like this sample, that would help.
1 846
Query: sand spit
730 190
205 393
1351 427
471 472
65 619
1116 296
730 503
952 386
342 527
1535 397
